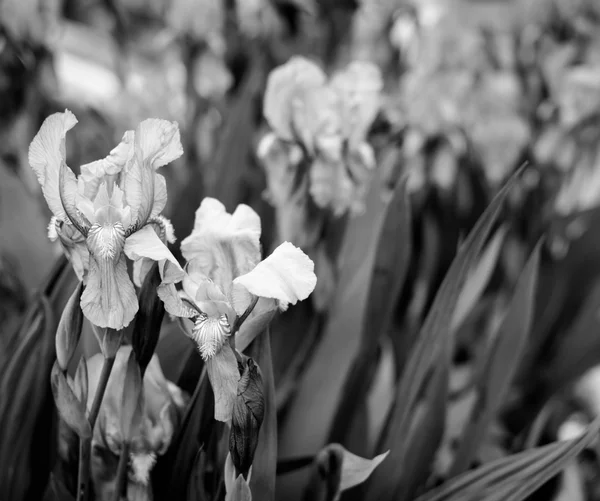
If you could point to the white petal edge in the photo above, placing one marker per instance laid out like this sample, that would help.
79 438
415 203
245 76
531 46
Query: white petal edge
286 275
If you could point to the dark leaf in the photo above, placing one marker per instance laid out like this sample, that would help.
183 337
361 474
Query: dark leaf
310 413
520 474
389 269
428 346
148 319
502 364
262 481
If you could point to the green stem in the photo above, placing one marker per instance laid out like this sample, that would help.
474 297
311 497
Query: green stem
85 446
121 478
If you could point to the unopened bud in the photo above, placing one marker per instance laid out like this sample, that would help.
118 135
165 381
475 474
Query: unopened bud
69 329
247 418
70 409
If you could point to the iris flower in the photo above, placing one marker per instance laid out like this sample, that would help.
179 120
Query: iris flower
111 210
329 119
224 279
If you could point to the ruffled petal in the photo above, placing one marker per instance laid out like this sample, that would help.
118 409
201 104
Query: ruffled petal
223 246
223 375
145 243
285 85
46 156
286 275
158 142
109 298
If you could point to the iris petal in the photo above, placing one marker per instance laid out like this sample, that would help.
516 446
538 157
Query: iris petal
47 155
223 246
286 275
286 84
158 142
109 299
145 243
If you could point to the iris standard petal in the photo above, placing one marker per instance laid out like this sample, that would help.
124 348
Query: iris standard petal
109 299
94 173
286 275
138 184
223 375
158 142
46 156
223 246
284 86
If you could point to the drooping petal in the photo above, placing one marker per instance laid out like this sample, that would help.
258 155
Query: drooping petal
359 87
109 299
285 85
223 246
286 275
223 375
46 156
145 243
158 142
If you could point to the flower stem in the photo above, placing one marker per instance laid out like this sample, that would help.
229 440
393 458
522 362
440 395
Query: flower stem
104 375
121 478
240 320
85 446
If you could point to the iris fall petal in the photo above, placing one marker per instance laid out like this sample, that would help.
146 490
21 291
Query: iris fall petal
109 298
